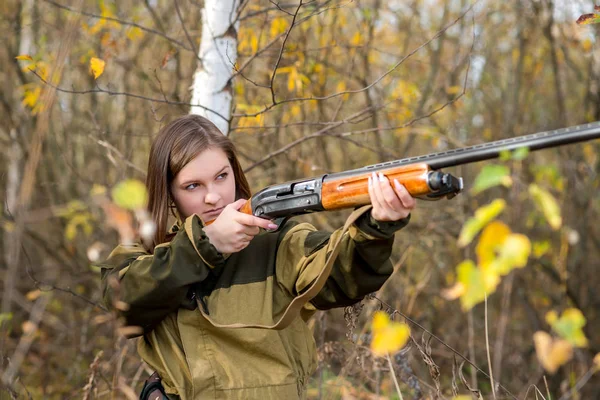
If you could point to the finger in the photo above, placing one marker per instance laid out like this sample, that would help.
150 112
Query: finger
251 220
407 200
372 195
236 205
250 230
389 195
380 201
241 246
245 237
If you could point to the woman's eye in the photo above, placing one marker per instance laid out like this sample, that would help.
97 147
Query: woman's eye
191 186
222 176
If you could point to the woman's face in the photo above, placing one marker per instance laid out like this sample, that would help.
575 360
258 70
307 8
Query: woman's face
205 185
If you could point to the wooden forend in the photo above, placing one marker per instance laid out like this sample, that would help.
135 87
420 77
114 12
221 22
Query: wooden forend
353 191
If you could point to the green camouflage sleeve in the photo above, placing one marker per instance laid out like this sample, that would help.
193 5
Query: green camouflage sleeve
153 285
362 266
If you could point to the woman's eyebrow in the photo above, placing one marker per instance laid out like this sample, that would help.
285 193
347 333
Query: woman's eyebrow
189 181
221 170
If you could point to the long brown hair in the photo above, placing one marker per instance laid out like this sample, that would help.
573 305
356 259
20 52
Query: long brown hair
177 144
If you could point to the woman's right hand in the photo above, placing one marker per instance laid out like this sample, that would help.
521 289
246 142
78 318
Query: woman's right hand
232 231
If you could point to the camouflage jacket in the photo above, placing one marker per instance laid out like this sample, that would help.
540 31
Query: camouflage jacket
197 360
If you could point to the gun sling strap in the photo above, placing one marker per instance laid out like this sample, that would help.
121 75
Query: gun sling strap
295 306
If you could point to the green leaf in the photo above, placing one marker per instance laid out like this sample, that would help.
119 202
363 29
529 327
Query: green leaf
483 215
540 248
520 154
490 176
547 204
130 194
5 317
569 326
505 155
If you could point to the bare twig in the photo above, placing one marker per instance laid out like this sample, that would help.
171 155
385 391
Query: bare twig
279 57
114 150
487 347
580 383
91 384
187 34
393 373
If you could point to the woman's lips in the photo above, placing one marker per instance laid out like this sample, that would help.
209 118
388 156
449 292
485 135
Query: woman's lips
214 213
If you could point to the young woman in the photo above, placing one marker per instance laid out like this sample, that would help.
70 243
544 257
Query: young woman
238 270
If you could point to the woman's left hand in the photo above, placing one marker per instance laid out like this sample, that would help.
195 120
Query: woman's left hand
391 201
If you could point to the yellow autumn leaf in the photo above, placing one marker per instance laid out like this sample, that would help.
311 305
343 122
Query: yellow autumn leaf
551 353
454 292
381 320
28 327
453 90
476 283
491 238
540 248
82 221
24 57
8 226
97 67
569 326
388 336
254 43
482 217
547 204
341 88
134 34
130 194
97 190
405 91
597 362
33 295
513 253
278 26
31 97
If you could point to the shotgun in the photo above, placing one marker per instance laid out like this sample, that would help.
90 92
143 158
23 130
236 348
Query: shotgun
421 175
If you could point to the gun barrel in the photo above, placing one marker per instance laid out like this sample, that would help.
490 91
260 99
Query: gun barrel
490 150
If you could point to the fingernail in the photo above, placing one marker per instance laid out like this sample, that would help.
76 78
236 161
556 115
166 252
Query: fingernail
272 226
373 176
397 184
381 177
370 182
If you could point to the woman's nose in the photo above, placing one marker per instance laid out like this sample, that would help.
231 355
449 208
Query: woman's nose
212 197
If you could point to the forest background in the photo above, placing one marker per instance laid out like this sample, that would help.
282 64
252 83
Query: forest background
318 86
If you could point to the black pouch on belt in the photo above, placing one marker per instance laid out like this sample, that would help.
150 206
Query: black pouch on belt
153 389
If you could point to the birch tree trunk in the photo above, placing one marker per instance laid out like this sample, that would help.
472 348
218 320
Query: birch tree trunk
212 90
13 179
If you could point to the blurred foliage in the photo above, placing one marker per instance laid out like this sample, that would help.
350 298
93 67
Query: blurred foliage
356 83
